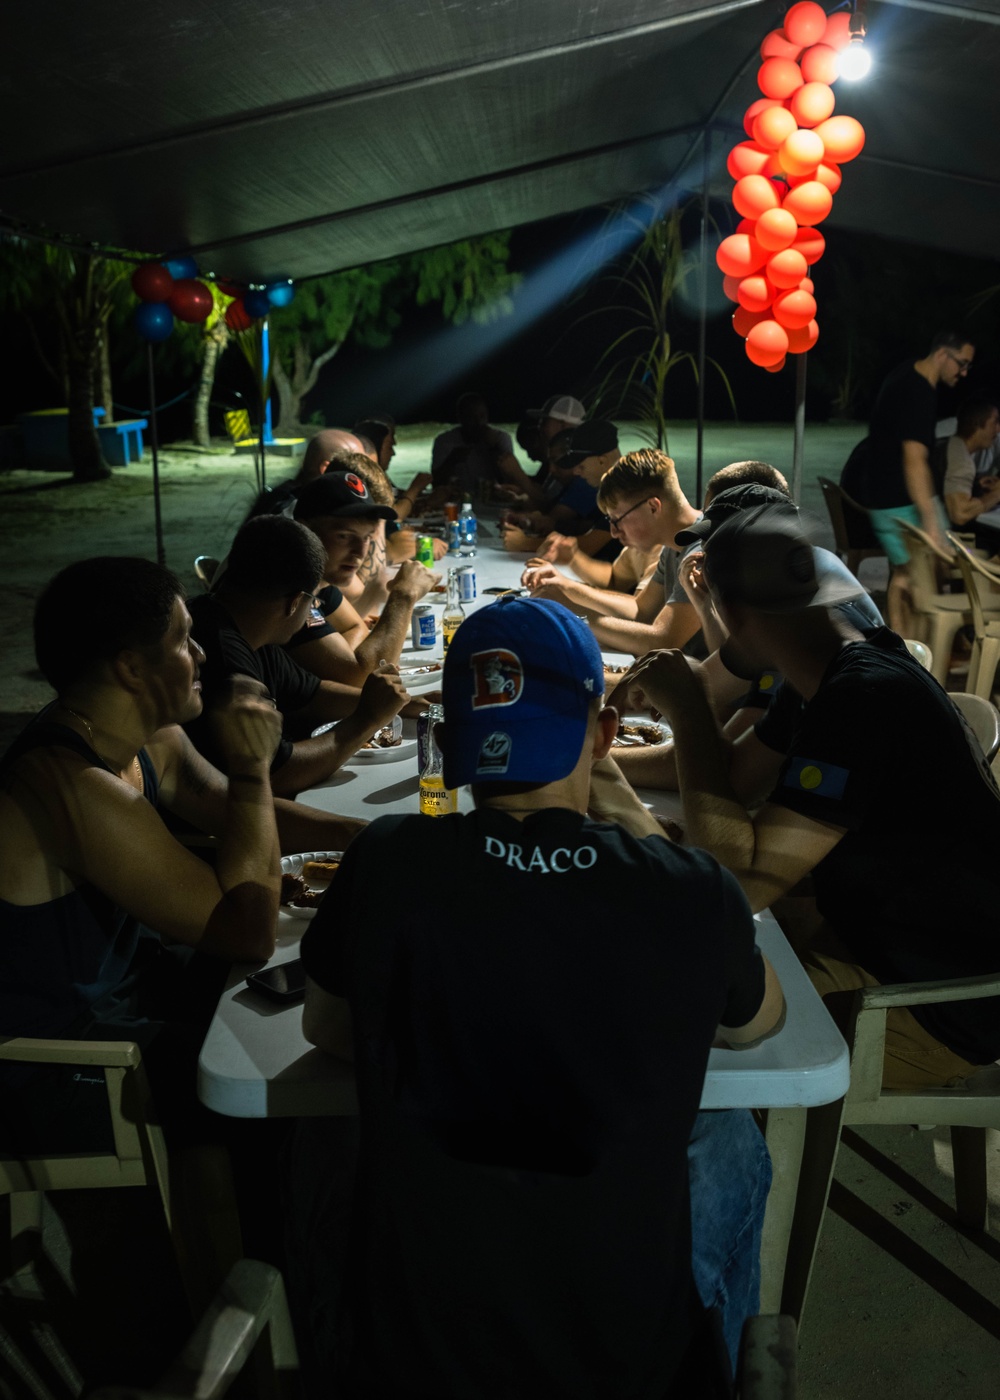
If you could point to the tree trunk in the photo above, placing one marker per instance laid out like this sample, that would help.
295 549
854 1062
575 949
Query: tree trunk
291 392
214 342
289 402
103 391
84 444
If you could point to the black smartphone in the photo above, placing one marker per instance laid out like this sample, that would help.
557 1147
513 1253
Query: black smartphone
285 983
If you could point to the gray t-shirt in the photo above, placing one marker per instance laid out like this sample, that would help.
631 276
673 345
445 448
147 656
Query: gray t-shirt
666 575
960 472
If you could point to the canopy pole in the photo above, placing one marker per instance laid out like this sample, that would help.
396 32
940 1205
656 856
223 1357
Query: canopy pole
154 441
706 146
800 427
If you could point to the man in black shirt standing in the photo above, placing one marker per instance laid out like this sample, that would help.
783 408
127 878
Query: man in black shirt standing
890 472
530 1043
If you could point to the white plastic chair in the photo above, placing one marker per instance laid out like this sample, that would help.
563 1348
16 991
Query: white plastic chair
921 652
983 719
978 577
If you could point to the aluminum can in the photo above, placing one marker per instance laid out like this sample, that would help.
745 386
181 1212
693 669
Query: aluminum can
425 550
454 537
466 584
422 628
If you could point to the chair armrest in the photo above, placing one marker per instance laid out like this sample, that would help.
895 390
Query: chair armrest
927 993
112 1054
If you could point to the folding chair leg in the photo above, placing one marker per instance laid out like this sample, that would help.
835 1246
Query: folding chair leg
942 628
819 1158
968 1148
985 656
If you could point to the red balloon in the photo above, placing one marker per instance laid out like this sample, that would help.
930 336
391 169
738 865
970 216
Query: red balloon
772 170
152 282
773 369
747 226
769 338
812 103
805 23
801 153
754 111
819 64
772 127
739 255
807 285
794 310
837 33
190 300
731 285
230 289
809 202
811 244
779 77
237 318
776 229
826 173
778 45
755 293
744 320
786 269
761 358
802 338
753 194
746 159
842 137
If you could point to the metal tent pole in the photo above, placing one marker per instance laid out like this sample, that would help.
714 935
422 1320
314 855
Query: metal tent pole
703 311
798 445
161 557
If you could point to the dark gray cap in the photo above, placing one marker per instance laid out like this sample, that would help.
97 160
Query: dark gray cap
763 558
726 504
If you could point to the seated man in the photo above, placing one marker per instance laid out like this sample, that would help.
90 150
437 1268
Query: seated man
264 598
85 858
902 897
536 432
528 1076
966 494
591 451
381 435
472 452
345 520
316 459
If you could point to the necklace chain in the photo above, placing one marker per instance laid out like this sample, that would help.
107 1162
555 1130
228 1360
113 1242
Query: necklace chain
90 736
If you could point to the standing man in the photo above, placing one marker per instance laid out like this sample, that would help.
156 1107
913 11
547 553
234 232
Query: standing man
529 1072
890 471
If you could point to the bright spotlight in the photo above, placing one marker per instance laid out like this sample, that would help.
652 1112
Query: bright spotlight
855 61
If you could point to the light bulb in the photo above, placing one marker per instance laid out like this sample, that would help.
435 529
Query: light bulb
855 61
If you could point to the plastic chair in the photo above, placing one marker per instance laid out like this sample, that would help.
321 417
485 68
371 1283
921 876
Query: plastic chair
852 532
986 646
248 1317
139 1157
983 720
206 568
921 652
968 1111
940 615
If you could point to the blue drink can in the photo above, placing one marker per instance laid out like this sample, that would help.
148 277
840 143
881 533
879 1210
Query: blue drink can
422 629
466 584
454 537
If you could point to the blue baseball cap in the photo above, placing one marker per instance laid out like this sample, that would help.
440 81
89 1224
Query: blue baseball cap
520 677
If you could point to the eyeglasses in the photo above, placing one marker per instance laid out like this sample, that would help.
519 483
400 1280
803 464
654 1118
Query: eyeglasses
615 520
963 365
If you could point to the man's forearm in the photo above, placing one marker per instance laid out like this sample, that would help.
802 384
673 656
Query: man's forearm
676 624
304 828
599 602
597 572
714 817
312 761
386 640
242 923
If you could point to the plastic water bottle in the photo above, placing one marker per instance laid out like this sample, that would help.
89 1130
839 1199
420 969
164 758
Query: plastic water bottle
470 528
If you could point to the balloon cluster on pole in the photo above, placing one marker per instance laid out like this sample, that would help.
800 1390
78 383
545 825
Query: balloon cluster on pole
172 290
787 173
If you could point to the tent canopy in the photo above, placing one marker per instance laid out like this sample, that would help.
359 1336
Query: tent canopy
296 139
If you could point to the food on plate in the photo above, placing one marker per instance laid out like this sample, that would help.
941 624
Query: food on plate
636 733
292 888
319 872
407 671
385 738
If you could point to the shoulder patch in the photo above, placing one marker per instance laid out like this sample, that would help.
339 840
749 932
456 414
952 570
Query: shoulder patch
823 779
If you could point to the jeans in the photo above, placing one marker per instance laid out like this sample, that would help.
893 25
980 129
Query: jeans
729 1170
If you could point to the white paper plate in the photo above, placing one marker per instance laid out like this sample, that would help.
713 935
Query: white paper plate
664 729
292 865
407 748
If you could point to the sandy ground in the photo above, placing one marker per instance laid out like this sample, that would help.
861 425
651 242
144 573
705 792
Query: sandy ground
48 521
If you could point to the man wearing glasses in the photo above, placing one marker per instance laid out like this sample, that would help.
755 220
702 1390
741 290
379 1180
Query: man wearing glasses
891 469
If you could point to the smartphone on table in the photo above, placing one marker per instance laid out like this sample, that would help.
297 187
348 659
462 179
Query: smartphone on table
285 982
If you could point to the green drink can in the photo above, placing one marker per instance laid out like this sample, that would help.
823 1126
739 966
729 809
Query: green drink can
425 550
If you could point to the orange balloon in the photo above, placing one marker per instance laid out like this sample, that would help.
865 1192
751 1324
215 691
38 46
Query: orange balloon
753 194
779 77
739 255
773 169
756 293
754 111
819 64
730 286
801 152
778 45
826 173
811 244
746 159
744 320
794 310
842 137
776 229
772 127
802 338
812 103
805 23
809 202
786 269
773 369
838 30
806 285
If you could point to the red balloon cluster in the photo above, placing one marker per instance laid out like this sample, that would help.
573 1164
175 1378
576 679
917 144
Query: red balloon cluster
168 290
786 174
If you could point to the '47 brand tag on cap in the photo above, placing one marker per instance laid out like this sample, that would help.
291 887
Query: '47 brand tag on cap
498 678
494 753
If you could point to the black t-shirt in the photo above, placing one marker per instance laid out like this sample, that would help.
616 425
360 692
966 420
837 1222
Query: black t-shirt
905 411
227 653
913 887
328 600
531 1032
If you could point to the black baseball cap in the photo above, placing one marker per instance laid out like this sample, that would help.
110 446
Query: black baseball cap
763 558
339 493
727 504
590 439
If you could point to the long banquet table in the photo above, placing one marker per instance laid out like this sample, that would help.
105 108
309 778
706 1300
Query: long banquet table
255 1062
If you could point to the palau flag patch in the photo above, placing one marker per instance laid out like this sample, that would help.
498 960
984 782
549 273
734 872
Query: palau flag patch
823 779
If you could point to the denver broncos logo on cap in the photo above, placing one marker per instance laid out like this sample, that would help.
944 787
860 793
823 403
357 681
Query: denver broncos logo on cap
498 678
355 483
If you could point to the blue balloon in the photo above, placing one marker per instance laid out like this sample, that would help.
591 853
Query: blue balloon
257 303
280 293
153 320
181 267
